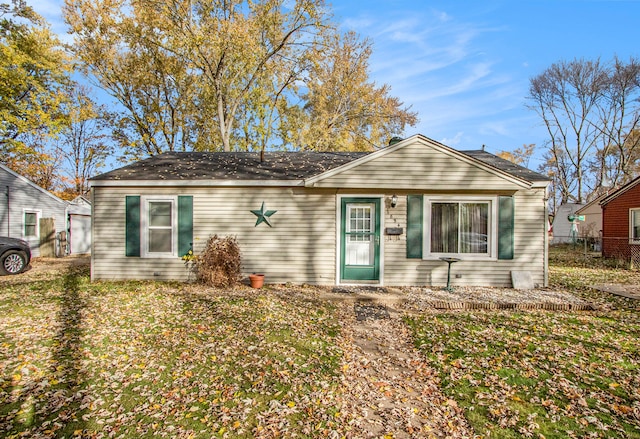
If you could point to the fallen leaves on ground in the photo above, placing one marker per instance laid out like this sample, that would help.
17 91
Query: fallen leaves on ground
388 389
539 374
149 359
145 359
571 269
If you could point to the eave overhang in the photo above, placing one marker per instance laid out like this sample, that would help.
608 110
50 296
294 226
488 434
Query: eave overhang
196 183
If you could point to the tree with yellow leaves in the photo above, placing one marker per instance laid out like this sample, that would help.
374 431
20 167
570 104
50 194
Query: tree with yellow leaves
344 109
519 156
34 73
231 75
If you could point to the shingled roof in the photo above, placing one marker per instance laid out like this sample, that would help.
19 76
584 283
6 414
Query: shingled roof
505 165
231 166
277 166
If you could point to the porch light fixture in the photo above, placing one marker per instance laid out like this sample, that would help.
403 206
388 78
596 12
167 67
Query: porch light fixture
394 200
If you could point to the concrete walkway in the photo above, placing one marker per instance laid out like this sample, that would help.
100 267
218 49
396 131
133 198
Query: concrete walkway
389 390
628 291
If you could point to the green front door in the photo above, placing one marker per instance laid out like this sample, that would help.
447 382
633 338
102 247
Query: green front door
360 241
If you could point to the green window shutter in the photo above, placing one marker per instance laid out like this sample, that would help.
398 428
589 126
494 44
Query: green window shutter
505 227
132 225
185 224
414 226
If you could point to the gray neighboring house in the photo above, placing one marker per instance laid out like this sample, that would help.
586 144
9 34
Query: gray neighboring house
23 204
382 218
565 231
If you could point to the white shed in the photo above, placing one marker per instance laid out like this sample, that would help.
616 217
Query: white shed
79 226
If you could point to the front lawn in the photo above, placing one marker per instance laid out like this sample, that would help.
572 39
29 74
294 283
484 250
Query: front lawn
136 359
538 374
148 359
544 374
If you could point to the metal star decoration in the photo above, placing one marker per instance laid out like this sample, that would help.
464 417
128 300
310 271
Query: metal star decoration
263 216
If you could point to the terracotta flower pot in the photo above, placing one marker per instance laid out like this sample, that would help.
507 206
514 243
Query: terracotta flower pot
257 280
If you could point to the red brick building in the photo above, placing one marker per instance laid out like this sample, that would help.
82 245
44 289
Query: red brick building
621 222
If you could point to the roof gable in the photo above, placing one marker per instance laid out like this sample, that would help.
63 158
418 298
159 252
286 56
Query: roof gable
421 162
595 201
633 183
421 157
81 201
28 182
506 166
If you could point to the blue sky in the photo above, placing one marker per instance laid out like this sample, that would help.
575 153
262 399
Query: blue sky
465 66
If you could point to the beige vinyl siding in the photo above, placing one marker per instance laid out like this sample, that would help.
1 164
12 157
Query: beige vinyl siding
418 166
529 251
592 225
299 248
302 246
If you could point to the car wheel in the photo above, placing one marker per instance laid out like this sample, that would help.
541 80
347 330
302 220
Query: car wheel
13 262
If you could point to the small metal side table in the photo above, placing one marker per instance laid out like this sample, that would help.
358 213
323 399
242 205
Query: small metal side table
449 261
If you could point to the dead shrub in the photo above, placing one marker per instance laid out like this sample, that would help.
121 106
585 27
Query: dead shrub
219 263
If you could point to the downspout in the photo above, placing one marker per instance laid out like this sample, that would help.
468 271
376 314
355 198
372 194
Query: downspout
67 250
545 201
8 210
92 198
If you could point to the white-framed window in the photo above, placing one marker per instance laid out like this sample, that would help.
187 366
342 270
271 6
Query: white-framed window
30 219
158 221
464 227
634 226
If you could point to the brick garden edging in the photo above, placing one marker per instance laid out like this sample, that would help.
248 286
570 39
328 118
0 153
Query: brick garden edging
515 306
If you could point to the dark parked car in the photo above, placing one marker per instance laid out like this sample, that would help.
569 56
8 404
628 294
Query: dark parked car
15 255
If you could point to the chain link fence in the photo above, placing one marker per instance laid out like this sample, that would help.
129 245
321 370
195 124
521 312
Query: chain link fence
619 250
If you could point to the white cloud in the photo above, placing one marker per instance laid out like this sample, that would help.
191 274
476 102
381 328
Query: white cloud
49 8
446 70
455 141
497 127
444 17
358 24
51 11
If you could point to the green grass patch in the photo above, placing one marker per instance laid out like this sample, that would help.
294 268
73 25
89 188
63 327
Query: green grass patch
145 359
576 271
544 374
574 382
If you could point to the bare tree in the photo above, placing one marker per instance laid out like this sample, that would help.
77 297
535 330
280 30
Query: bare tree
617 157
565 96
85 144
590 109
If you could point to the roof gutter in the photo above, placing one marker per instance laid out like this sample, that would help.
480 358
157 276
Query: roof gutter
540 184
196 183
